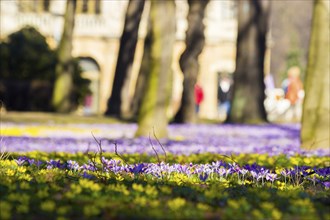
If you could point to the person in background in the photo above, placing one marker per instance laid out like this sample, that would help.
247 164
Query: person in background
225 89
199 96
293 93
88 104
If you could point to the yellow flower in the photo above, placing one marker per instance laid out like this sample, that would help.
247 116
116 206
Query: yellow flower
13 197
22 208
24 185
62 210
48 206
154 203
5 209
141 201
307 161
257 214
119 177
276 214
88 184
203 207
21 169
151 191
25 176
10 172
137 187
176 204
42 193
76 189
90 210
233 204
295 161
166 190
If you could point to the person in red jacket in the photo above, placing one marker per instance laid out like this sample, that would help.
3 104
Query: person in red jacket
199 96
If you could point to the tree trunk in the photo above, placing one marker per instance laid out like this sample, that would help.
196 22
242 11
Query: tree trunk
152 113
142 77
248 99
189 65
61 100
315 120
126 56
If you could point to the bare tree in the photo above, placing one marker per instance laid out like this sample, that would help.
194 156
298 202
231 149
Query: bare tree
189 65
126 56
61 100
248 99
152 113
316 117
142 77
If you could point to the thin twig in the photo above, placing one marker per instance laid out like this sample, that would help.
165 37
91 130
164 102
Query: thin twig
99 143
153 129
231 157
117 154
154 149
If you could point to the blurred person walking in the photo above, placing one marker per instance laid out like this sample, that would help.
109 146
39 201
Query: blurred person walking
199 96
225 90
294 94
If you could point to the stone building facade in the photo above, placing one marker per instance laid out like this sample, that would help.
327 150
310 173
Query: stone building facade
97 32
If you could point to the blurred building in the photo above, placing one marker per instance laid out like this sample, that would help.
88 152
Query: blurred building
98 29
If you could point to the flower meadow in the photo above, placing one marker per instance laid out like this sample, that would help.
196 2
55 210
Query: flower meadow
201 172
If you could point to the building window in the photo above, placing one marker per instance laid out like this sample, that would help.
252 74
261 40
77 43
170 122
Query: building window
89 7
34 5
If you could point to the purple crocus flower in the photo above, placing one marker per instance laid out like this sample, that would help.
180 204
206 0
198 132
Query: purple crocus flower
54 164
234 167
89 166
254 167
183 168
323 171
229 171
254 174
285 172
222 171
31 161
326 184
87 176
110 163
138 168
271 177
203 177
21 160
218 164
243 171
38 163
314 180
262 174
72 165
221 139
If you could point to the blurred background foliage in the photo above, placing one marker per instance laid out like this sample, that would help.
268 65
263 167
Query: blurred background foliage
25 47
26 87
